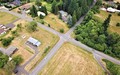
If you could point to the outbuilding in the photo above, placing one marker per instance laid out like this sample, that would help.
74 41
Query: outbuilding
11 50
33 41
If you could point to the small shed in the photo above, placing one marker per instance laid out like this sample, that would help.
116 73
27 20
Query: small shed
10 26
2 31
11 50
34 41
110 9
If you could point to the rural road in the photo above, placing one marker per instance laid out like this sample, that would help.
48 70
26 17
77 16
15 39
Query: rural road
63 38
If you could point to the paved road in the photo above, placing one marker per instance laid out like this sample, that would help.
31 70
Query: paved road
63 38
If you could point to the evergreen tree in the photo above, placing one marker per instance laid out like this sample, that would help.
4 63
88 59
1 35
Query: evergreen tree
70 22
106 22
33 11
78 13
38 3
74 19
53 6
56 10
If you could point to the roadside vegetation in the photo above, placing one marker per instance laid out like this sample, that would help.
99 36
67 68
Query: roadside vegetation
96 35
113 68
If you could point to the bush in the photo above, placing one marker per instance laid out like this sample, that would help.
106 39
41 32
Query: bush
62 30
46 50
17 60
119 14
118 24
7 41
41 17
32 26
48 25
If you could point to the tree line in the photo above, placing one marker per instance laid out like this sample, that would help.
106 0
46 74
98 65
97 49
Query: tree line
96 35
76 8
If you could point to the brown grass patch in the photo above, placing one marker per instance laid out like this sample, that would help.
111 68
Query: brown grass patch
72 60
55 22
6 18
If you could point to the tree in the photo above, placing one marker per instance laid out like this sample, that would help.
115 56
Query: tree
7 41
38 3
70 24
17 60
56 10
32 26
106 22
53 6
78 12
74 18
33 11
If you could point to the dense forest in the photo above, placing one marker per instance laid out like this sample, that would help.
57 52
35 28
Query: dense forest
96 35
76 8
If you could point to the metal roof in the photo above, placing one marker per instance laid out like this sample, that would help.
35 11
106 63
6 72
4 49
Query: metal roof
34 41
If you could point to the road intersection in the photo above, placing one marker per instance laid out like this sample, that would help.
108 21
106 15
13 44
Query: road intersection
63 38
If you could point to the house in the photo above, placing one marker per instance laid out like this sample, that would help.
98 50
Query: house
33 41
63 15
10 26
16 2
11 50
41 13
25 6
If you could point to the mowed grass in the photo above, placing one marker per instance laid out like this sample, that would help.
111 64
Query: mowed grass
72 60
6 18
114 20
55 22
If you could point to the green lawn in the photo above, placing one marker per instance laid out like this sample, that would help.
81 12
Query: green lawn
6 18
114 20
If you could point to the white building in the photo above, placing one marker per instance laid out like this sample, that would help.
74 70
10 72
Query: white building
34 41
41 13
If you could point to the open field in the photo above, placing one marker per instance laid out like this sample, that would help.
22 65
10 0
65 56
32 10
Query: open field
72 60
55 22
2 72
6 18
114 20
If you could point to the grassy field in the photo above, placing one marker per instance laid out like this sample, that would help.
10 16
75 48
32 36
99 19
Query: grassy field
72 60
6 18
55 22
114 20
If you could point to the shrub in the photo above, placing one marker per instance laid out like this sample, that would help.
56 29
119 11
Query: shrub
41 17
119 14
62 30
7 41
48 25
118 24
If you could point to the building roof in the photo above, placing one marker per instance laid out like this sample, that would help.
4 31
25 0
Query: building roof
10 26
63 13
34 41
110 9
41 13
10 50
1 31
